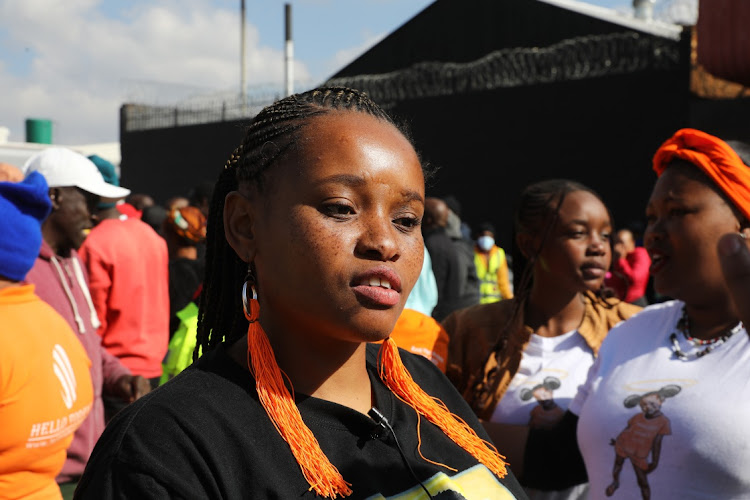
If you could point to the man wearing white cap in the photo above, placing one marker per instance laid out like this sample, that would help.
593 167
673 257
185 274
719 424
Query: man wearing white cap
75 186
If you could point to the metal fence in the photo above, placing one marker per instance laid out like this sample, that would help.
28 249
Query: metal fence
576 58
196 111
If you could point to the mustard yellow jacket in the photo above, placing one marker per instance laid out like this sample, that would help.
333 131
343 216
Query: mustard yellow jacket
477 331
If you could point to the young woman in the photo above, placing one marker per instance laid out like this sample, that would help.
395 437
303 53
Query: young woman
501 354
317 215
687 361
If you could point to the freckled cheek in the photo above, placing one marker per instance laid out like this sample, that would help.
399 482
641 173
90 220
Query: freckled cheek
319 246
412 266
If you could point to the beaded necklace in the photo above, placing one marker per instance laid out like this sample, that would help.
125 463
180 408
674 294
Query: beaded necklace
683 325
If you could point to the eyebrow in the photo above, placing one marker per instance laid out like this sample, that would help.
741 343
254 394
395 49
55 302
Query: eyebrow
357 181
347 179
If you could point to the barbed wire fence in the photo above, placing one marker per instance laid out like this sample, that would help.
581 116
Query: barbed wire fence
572 59
578 58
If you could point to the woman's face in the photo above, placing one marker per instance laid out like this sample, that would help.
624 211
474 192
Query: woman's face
337 230
577 253
686 218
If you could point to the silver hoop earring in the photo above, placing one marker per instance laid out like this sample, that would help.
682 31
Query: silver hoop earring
250 278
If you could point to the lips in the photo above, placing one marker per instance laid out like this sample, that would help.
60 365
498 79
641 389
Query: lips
593 270
379 287
658 260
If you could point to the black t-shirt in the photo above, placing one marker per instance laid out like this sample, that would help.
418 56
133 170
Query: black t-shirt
204 434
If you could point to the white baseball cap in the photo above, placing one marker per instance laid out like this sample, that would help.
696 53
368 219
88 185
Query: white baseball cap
62 167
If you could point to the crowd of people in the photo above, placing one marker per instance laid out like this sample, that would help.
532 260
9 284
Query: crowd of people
313 325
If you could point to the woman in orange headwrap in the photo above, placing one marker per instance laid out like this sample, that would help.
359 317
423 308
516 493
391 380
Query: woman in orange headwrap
670 389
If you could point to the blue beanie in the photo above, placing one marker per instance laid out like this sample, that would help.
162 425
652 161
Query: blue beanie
23 208
108 173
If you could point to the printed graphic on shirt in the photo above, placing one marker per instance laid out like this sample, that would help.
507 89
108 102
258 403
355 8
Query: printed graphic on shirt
546 413
64 372
642 437
476 483
51 431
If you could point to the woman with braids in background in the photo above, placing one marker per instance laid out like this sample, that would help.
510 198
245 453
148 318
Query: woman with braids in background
543 341
314 231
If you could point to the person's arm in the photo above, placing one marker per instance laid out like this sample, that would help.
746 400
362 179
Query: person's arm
511 439
552 460
546 459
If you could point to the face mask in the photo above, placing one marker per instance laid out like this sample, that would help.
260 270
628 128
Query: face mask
485 243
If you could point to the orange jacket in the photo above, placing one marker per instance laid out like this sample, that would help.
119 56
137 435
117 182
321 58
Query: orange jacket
45 393
421 334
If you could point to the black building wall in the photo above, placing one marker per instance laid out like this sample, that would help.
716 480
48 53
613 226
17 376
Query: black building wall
169 162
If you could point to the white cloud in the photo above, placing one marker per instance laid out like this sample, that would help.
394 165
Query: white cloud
83 65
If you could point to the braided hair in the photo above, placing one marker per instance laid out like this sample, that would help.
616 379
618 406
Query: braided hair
271 135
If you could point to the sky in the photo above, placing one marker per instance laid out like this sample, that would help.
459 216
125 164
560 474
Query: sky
76 62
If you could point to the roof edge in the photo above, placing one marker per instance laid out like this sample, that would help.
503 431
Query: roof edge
658 28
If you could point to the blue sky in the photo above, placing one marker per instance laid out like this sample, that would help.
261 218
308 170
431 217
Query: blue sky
77 61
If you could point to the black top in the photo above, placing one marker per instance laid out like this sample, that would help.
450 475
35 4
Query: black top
204 434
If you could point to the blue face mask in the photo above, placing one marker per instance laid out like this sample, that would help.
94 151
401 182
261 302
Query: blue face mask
485 243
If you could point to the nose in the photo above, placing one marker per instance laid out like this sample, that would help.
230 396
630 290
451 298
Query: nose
378 239
598 244
654 231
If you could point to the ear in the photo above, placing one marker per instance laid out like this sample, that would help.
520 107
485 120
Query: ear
239 220
55 196
745 232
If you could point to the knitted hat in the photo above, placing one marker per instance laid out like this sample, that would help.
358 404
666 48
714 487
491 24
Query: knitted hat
106 169
63 167
23 208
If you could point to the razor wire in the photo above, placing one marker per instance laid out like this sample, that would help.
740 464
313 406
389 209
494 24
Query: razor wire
590 56
578 58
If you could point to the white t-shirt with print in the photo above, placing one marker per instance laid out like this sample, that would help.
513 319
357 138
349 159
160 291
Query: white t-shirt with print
551 367
639 394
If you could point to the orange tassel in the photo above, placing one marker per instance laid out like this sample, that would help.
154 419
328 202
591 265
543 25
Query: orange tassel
278 402
395 376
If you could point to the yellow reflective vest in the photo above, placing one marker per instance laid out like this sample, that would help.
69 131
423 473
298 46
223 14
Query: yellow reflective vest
492 270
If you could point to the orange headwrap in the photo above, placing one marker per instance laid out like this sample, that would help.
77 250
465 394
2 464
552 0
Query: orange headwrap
188 223
714 157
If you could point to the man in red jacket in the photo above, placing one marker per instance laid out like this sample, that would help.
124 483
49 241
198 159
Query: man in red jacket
62 282
128 267
630 265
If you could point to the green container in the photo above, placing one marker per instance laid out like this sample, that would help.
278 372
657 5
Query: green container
39 130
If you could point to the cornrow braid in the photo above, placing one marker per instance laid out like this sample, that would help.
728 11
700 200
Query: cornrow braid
270 135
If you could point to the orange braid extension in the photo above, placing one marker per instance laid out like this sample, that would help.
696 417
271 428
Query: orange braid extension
394 375
278 402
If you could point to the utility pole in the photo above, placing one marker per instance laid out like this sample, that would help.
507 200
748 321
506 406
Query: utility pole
288 51
242 54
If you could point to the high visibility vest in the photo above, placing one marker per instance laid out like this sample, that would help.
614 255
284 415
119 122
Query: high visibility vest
488 267
180 352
